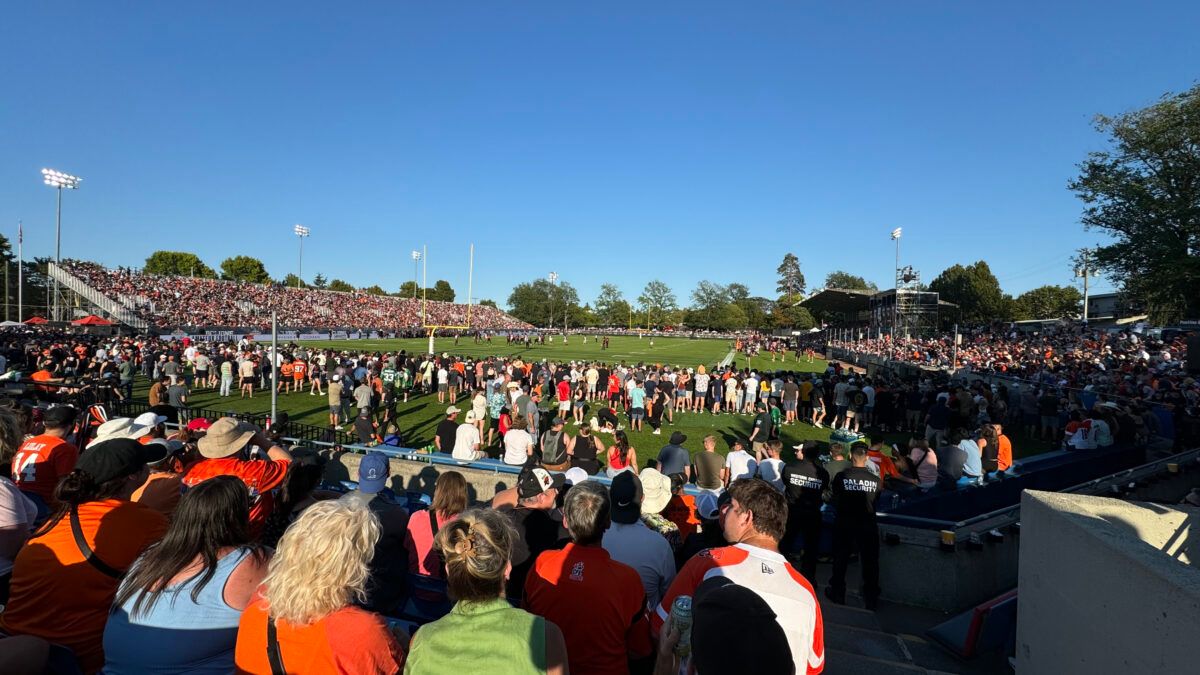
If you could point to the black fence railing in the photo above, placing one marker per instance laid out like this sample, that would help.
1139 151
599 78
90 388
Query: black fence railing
305 432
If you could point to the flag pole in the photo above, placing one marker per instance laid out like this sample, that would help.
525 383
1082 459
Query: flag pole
20 272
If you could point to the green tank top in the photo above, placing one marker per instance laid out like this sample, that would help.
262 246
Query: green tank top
480 637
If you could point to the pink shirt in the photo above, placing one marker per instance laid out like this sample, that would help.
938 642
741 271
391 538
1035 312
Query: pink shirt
419 541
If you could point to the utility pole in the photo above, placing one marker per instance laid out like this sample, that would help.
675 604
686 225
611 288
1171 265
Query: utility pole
1084 269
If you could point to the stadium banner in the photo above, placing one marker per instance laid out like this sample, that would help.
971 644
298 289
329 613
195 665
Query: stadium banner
337 335
374 335
354 336
314 336
261 337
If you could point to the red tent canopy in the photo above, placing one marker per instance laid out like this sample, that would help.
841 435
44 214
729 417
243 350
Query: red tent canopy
37 320
91 320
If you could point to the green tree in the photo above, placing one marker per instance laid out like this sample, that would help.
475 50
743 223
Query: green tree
729 316
293 281
374 290
611 307
409 289
709 300
841 279
541 303
788 313
656 299
441 291
488 303
340 286
319 282
1144 193
974 289
1049 302
791 279
244 268
177 264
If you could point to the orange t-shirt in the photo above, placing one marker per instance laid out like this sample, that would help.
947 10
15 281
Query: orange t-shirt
887 468
681 510
161 492
351 640
1003 453
286 370
42 375
58 596
261 477
298 369
40 462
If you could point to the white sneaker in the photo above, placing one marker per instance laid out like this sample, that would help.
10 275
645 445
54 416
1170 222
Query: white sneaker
657 432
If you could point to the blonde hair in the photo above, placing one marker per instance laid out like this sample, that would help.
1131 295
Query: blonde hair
477 548
322 562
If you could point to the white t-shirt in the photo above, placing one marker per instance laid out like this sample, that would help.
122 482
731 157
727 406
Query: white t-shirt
15 510
516 446
465 439
443 376
741 464
771 470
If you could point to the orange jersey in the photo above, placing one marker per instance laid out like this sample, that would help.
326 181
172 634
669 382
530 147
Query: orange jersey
286 370
56 595
261 478
298 369
40 462
351 640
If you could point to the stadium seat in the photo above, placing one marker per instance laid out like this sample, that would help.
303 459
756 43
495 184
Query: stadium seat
428 600
986 627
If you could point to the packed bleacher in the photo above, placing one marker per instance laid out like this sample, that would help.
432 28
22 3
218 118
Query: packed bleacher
172 302
1123 364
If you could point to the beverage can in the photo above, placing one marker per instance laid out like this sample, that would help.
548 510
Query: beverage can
681 618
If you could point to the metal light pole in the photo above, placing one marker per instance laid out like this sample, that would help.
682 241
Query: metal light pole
59 180
416 256
553 279
301 232
896 294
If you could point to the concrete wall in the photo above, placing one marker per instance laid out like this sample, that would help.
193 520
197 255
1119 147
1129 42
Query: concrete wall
1107 586
420 477
918 572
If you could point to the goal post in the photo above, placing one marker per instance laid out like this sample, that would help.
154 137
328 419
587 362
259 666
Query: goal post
433 328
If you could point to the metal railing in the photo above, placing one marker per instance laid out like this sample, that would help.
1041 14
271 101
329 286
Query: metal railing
103 302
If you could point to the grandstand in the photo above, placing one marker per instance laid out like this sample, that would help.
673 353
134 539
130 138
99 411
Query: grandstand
146 302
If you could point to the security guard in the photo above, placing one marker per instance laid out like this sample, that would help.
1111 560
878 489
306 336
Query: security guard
803 482
855 491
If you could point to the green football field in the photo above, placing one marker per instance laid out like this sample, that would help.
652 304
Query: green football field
420 415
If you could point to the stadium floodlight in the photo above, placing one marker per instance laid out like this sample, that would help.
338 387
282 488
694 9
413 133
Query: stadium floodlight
301 232
553 279
59 181
416 256
896 233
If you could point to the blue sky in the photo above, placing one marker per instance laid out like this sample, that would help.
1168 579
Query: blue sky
607 141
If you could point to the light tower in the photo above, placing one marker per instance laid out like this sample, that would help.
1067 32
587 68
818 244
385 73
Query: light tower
59 181
301 232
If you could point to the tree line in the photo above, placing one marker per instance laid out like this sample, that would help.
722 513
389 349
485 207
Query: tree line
249 269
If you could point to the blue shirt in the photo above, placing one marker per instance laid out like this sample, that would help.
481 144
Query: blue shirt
673 459
177 635
637 398
973 466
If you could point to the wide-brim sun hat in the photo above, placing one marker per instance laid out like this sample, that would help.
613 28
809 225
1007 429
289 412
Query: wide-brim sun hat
225 437
120 427
656 490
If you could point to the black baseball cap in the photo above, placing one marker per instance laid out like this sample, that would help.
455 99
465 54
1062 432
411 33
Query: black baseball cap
626 492
59 416
533 482
116 458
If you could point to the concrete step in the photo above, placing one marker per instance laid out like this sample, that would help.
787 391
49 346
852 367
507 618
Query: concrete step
838 662
865 642
929 655
847 615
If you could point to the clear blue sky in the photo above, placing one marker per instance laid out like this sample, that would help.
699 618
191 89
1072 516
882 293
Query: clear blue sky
609 141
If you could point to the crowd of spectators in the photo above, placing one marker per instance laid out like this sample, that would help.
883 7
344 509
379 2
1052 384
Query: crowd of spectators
180 302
